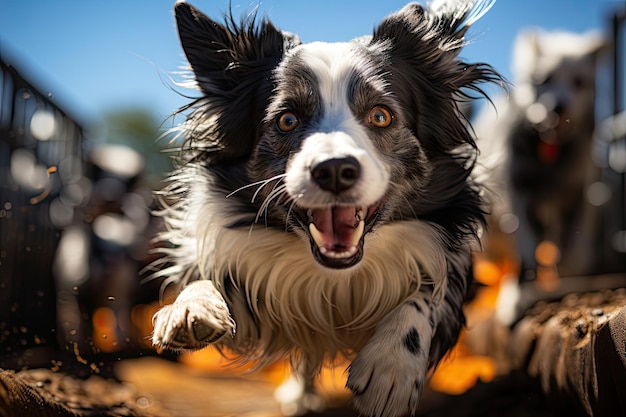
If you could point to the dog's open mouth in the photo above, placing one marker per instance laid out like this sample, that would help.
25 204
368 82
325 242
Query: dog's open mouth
336 233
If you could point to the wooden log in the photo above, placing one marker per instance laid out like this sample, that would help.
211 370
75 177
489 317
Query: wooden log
575 348
42 392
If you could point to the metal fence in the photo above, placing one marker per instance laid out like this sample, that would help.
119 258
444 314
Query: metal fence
41 192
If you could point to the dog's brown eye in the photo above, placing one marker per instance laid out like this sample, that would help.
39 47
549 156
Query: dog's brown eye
287 122
379 117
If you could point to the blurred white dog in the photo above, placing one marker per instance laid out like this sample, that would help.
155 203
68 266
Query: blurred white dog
536 149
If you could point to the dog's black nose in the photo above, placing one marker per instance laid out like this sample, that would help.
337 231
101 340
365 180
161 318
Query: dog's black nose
336 175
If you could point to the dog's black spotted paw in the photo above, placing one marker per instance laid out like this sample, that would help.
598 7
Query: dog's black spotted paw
196 319
386 382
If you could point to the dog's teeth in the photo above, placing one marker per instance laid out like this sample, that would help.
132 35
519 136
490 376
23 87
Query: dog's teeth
316 235
360 215
358 232
338 255
346 252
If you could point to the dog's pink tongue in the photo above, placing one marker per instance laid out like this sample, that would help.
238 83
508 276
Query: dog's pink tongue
336 226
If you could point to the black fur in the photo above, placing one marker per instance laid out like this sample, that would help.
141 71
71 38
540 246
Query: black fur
411 341
232 66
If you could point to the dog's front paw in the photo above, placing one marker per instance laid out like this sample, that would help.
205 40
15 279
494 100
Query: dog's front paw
198 317
387 381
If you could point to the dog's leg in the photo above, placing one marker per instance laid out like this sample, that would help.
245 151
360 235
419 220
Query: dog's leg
528 234
297 395
198 317
388 375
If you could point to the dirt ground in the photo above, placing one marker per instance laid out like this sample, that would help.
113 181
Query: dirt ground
565 358
155 387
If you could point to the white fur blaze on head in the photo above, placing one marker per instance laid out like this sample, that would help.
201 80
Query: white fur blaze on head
340 144
339 134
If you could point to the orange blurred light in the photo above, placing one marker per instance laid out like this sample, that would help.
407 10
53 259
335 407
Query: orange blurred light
330 383
141 317
487 272
461 371
547 278
547 253
105 329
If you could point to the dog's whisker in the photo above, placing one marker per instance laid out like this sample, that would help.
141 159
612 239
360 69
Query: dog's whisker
409 205
275 194
245 187
279 182
261 184
293 203
277 178
267 200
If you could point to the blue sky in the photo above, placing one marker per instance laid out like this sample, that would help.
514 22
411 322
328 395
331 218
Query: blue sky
97 56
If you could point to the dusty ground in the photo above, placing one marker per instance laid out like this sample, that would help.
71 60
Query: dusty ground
154 387
567 358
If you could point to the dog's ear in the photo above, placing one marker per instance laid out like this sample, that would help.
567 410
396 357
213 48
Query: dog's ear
444 23
232 65
423 46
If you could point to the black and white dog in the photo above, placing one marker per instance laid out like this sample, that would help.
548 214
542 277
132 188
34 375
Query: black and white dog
324 202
